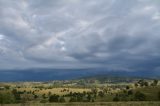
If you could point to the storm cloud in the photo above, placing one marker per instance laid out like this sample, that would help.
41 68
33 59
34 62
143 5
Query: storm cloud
109 34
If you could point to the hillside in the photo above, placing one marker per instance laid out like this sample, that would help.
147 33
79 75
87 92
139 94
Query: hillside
68 74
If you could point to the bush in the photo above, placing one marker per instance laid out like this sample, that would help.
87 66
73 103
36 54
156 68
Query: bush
124 97
7 87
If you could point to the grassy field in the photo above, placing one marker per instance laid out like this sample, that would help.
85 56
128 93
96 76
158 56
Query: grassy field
91 104
38 94
150 92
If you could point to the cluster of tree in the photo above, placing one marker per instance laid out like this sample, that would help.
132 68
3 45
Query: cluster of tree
155 83
81 97
10 97
159 95
130 96
6 98
77 97
56 98
143 83
65 90
73 97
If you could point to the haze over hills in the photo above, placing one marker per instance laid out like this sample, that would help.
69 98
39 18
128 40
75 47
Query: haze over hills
68 74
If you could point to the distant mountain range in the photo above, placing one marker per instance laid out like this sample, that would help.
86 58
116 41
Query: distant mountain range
68 74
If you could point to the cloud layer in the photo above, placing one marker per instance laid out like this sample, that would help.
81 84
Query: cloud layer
108 34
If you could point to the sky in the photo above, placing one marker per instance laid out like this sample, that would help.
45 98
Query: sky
76 34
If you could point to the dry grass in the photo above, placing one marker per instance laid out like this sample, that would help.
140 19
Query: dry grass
54 90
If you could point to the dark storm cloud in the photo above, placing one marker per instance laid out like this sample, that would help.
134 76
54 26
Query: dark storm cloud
111 34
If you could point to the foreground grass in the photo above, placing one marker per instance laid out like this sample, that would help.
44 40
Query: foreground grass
90 104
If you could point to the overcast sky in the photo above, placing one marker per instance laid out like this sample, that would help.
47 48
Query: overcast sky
69 34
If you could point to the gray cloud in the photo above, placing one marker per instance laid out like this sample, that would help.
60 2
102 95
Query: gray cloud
111 34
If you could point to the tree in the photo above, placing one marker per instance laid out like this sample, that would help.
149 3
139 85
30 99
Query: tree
16 95
49 93
6 98
155 82
105 90
101 94
89 97
141 83
146 83
127 87
136 85
73 99
130 92
139 96
84 93
25 98
43 101
94 91
54 98
61 99
44 96
35 96
159 95
116 98
124 97
92 100
79 98
7 87
1 99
